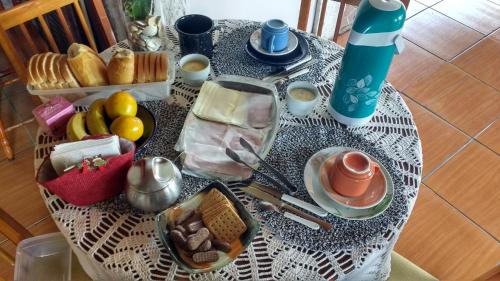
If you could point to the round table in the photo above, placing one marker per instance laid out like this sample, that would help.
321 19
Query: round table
120 243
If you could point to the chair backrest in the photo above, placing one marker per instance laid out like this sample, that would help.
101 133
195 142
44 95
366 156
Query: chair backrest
14 231
35 10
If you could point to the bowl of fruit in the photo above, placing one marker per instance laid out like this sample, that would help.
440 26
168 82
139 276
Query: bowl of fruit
117 115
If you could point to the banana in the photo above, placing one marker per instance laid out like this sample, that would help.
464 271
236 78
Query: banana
96 118
75 130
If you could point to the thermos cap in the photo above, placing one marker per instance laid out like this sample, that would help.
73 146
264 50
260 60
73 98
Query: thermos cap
386 5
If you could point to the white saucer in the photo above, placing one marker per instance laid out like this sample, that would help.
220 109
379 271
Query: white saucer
318 194
293 42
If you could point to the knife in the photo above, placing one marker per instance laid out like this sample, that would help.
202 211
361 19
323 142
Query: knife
269 206
285 71
257 193
290 199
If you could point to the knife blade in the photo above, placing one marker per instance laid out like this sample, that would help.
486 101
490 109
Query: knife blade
259 194
290 199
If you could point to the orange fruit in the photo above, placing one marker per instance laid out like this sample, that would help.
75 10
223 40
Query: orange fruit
128 127
120 104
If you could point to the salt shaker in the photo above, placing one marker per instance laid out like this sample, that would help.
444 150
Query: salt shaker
153 184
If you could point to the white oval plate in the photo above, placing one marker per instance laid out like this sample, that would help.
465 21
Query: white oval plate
315 189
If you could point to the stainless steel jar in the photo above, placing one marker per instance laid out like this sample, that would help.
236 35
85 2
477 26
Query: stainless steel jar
153 184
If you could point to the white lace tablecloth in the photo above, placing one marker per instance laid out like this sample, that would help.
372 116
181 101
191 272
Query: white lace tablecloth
119 243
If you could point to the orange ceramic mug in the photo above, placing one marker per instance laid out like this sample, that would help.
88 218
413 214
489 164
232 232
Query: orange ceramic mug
352 173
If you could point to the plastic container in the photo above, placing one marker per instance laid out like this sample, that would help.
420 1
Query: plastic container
154 90
44 257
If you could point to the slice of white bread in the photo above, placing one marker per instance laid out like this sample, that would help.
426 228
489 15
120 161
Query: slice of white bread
49 68
66 73
88 68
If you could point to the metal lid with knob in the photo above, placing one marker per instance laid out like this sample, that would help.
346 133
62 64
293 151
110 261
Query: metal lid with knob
153 184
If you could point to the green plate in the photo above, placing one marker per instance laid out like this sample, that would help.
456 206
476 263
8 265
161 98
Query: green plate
164 221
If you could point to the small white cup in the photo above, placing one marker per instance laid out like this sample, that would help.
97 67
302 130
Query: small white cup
194 78
300 107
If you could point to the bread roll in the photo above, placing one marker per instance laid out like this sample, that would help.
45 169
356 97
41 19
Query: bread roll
88 68
121 67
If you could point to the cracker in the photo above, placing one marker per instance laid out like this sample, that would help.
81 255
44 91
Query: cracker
211 198
227 225
213 211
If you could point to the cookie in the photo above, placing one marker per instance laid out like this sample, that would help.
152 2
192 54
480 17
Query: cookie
227 225
205 246
203 257
194 226
221 245
181 229
183 216
195 240
178 237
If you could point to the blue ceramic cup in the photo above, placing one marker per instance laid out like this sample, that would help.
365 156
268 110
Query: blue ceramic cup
274 35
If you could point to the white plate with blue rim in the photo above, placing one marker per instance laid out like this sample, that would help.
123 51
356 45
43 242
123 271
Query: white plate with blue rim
293 42
318 194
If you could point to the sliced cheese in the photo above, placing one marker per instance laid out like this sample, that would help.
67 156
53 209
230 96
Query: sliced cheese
219 104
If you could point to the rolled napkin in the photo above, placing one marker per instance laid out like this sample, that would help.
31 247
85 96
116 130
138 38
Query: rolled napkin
68 154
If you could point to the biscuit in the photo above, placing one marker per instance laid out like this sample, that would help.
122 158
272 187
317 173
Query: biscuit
226 226
205 246
221 245
213 197
184 216
193 227
195 240
202 257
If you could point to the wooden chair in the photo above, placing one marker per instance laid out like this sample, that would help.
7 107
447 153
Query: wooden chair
21 17
14 231
305 9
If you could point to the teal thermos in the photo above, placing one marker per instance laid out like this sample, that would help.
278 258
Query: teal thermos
374 39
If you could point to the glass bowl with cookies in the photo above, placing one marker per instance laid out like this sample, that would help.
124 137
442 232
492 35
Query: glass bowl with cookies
82 70
208 230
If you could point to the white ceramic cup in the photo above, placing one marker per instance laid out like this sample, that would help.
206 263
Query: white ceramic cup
194 78
300 107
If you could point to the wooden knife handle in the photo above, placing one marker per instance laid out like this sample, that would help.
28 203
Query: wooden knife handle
325 225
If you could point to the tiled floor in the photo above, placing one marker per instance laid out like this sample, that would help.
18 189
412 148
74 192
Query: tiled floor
449 76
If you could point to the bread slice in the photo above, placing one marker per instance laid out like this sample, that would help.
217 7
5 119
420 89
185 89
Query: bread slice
136 59
49 68
140 68
41 67
152 63
121 67
66 73
157 67
163 67
33 78
88 68
146 66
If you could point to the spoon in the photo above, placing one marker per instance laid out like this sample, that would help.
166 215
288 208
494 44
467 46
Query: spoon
246 145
